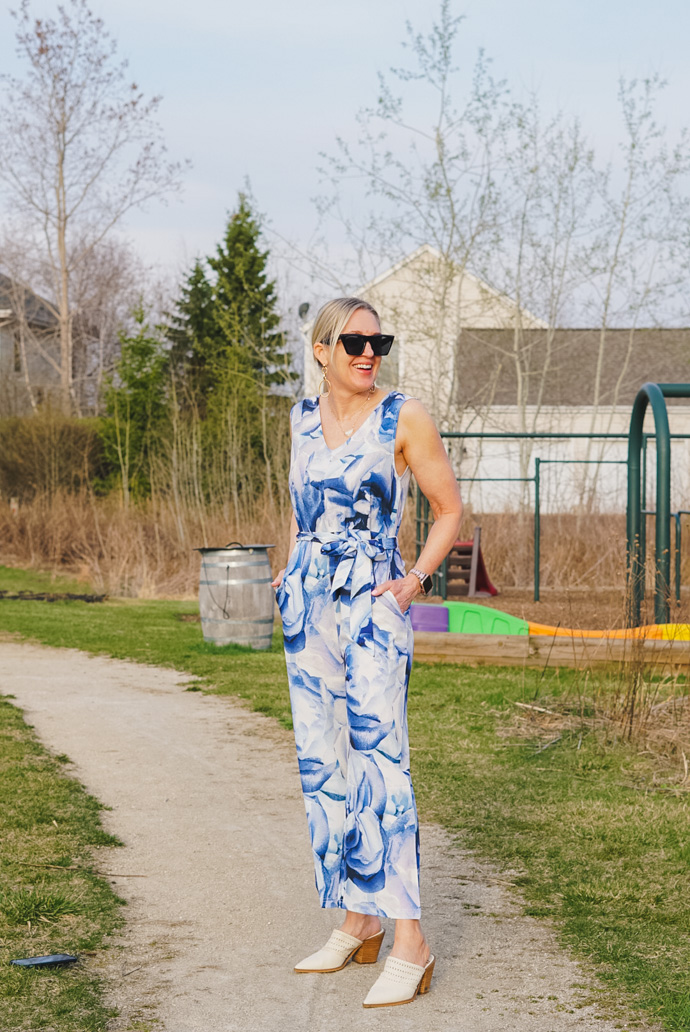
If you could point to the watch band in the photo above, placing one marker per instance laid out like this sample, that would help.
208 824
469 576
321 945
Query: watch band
424 579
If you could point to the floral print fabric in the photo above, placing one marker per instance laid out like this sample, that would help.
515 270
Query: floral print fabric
348 659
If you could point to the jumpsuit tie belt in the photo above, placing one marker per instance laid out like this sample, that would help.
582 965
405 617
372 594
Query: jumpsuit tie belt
356 551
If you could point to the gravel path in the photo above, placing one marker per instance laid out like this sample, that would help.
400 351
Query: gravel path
205 796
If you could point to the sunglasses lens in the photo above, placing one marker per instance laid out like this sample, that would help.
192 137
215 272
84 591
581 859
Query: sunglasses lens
381 345
354 343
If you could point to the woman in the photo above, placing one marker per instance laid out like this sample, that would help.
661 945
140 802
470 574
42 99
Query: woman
343 598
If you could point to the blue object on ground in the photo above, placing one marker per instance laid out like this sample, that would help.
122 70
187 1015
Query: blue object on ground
52 960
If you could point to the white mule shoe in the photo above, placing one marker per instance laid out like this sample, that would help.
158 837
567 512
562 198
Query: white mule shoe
340 949
399 982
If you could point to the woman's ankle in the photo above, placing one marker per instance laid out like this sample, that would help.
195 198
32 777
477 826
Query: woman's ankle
413 952
361 926
410 943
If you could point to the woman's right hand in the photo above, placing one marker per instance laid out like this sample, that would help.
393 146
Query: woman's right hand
279 579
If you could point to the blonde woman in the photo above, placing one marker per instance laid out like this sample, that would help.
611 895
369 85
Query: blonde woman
344 598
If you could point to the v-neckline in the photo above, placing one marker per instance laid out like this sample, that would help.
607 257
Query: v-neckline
355 432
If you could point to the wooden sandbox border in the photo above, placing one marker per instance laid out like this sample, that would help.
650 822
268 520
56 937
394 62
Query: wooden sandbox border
537 650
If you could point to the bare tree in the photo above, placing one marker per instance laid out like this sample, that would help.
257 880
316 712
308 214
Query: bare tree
107 288
547 188
518 227
639 256
431 184
81 149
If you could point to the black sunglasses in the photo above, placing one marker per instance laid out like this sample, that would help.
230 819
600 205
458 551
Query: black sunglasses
354 343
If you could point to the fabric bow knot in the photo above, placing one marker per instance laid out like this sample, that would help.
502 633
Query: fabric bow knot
356 550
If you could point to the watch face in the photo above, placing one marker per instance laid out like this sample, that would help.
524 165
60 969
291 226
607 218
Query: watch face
427 584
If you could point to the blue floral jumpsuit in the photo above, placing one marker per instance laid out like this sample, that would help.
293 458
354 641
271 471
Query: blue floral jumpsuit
348 660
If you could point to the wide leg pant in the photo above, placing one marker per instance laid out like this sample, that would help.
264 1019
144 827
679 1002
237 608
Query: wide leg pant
349 707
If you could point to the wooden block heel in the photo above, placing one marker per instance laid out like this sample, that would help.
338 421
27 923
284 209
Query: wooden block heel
368 952
425 984
340 949
400 982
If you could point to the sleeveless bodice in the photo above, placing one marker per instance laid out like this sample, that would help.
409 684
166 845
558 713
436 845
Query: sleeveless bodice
351 488
348 502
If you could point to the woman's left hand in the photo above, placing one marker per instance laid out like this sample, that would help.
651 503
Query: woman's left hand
405 590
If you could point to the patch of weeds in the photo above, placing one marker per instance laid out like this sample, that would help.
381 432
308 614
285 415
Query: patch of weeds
24 905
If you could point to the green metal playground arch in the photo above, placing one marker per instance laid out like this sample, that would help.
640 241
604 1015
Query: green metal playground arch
653 394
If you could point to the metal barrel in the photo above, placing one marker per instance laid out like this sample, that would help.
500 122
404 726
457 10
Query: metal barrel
236 600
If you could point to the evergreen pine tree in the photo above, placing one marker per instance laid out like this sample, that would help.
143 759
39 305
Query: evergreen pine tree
193 334
229 356
245 299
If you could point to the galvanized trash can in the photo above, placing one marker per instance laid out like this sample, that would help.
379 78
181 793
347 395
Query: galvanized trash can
236 600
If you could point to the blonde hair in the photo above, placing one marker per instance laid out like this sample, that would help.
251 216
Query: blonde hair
332 319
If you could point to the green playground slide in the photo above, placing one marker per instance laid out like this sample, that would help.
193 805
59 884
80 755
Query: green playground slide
467 618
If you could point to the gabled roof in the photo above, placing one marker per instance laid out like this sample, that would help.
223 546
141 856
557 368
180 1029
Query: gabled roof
427 250
561 371
37 311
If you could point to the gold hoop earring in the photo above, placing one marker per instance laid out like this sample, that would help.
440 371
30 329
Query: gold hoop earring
325 382
372 389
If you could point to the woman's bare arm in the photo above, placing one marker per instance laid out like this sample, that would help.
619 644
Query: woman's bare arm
291 545
422 449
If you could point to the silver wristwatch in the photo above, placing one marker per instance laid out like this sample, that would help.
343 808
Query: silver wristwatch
424 579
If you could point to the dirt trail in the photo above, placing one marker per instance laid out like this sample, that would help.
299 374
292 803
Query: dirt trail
205 795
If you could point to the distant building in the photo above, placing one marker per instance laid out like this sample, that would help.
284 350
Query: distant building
29 349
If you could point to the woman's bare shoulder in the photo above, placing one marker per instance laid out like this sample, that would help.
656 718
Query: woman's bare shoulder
415 417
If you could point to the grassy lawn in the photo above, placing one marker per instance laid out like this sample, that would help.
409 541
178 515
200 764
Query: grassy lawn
48 819
12 579
596 849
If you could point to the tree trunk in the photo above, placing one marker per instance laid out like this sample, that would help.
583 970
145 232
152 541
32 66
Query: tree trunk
64 314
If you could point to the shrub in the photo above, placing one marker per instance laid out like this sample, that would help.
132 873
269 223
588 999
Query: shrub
48 453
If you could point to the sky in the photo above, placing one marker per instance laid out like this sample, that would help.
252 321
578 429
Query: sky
257 89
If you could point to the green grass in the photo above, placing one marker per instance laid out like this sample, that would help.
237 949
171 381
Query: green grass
47 818
606 860
13 579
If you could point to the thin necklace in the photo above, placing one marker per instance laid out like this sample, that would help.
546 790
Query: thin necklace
348 431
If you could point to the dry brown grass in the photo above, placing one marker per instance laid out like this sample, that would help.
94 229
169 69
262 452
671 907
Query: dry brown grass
147 550
651 713
577 550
